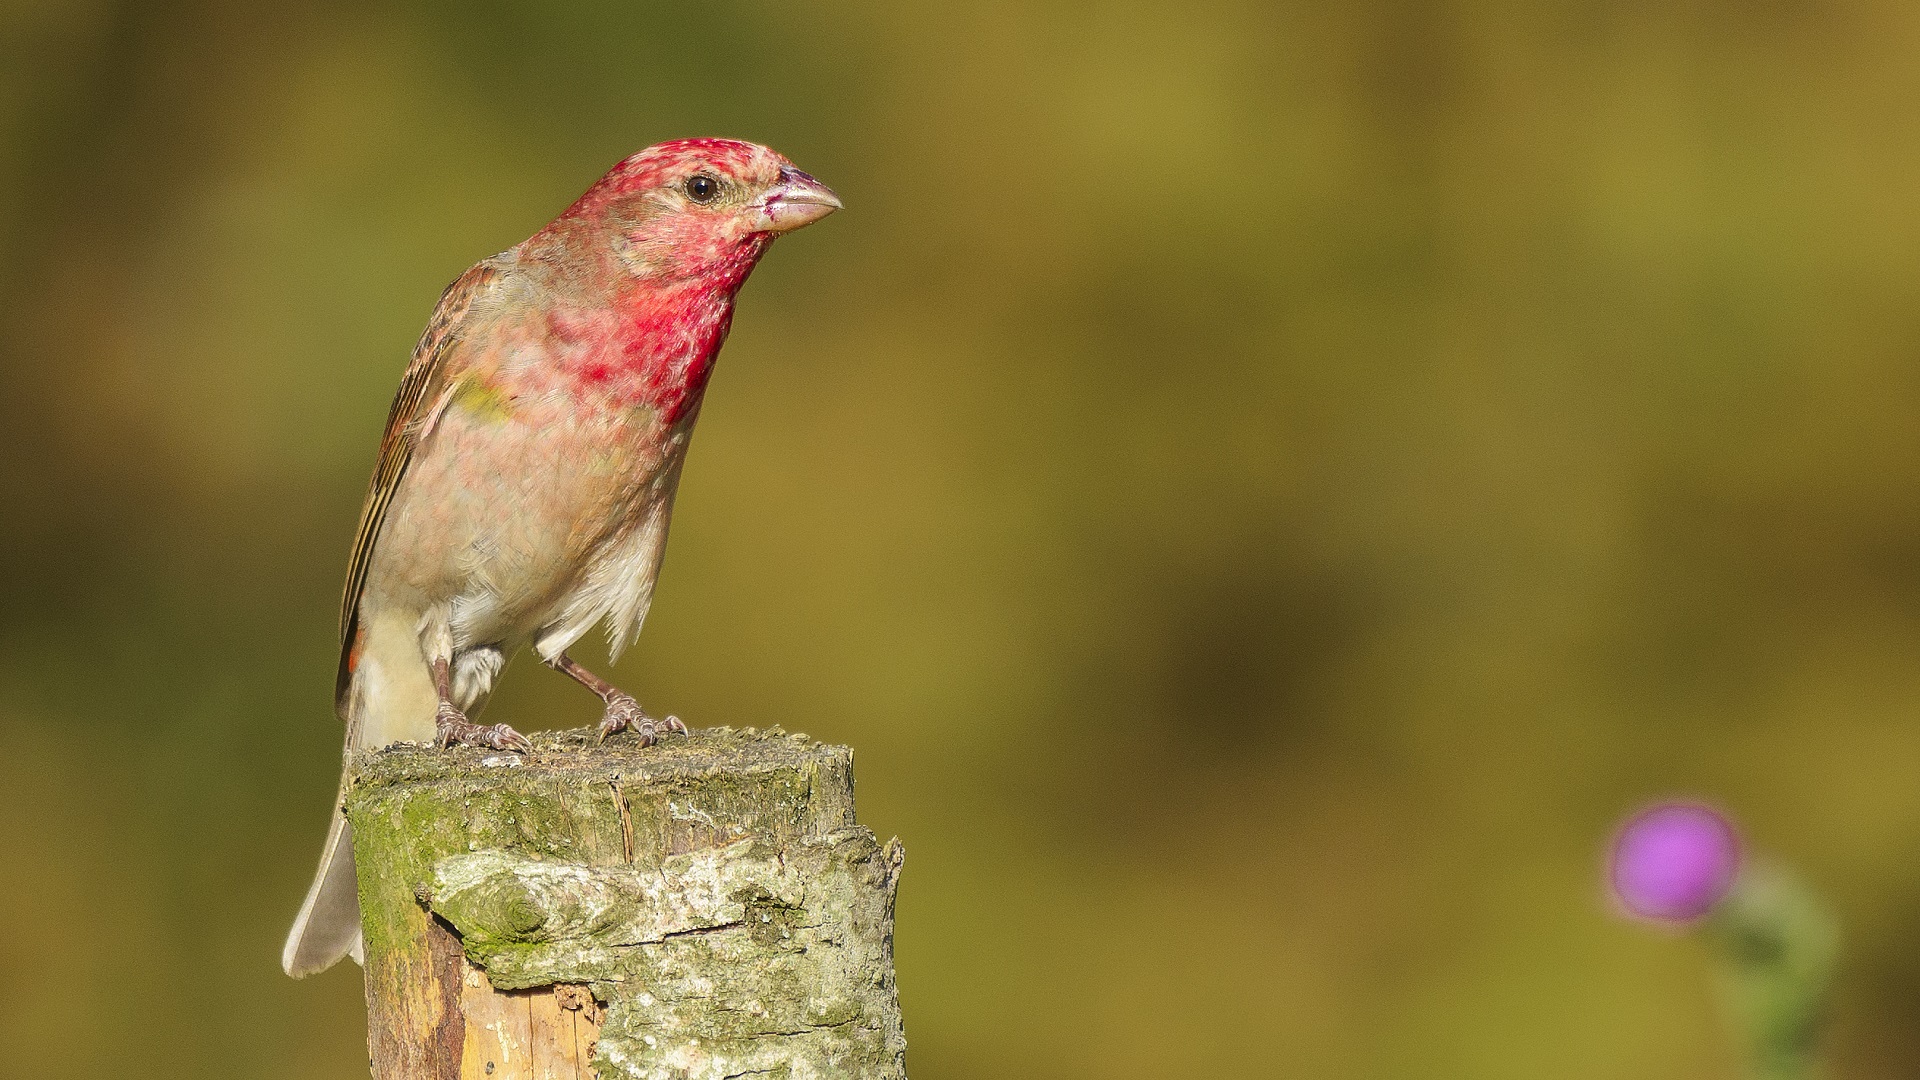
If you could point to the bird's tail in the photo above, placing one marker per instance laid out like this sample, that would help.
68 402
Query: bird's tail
328 926
390 699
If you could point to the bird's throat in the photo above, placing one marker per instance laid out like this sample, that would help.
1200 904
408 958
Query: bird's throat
650 347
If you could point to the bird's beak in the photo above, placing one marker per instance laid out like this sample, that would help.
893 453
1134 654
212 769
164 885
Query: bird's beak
798 199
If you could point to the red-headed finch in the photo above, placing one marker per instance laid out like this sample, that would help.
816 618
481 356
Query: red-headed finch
529 463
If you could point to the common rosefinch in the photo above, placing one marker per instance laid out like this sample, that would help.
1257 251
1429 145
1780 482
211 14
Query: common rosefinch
530 459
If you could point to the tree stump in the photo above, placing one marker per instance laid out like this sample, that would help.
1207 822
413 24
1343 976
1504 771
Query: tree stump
701 909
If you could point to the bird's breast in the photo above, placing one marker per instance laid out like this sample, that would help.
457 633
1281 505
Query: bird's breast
638 348
512 494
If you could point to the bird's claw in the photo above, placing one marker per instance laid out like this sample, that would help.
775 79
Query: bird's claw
502 737
452 728
625 714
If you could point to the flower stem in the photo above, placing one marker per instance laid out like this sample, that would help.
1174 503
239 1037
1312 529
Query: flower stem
1776 945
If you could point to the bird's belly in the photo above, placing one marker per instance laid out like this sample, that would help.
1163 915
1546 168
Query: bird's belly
500 517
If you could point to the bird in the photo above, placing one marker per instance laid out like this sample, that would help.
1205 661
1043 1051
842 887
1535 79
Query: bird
527 473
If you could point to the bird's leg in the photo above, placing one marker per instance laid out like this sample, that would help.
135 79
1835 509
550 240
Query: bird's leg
451 726
622 711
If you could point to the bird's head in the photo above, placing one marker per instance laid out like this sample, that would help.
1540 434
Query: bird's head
696 209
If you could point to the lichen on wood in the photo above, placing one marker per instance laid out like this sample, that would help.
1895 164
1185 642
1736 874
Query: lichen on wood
714 892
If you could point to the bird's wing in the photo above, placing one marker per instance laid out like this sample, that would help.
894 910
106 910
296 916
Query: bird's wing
412 407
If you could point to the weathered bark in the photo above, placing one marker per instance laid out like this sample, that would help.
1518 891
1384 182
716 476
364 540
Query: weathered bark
698 910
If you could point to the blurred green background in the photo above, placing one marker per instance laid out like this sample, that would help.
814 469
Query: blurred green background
1263 488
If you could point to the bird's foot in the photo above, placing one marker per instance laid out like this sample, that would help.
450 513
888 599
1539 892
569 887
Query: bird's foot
624 714
451 727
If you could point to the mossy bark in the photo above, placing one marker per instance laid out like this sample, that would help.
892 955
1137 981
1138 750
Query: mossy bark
713 893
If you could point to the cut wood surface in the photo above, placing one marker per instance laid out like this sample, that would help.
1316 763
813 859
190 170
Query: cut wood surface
701 909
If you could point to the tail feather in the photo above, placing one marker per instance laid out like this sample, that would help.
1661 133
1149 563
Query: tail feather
389 699
328 926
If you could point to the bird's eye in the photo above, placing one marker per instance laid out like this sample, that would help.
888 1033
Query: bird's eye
702 188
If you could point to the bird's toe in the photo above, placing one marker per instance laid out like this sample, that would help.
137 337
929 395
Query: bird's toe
625 714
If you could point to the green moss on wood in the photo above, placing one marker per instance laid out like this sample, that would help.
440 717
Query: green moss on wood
750 932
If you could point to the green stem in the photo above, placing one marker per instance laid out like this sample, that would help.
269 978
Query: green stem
1776 945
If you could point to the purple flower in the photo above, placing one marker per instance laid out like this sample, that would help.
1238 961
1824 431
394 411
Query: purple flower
1673 862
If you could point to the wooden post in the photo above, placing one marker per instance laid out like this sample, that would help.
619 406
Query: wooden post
700 909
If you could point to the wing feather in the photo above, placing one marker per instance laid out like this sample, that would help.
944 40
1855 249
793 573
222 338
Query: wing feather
419 392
